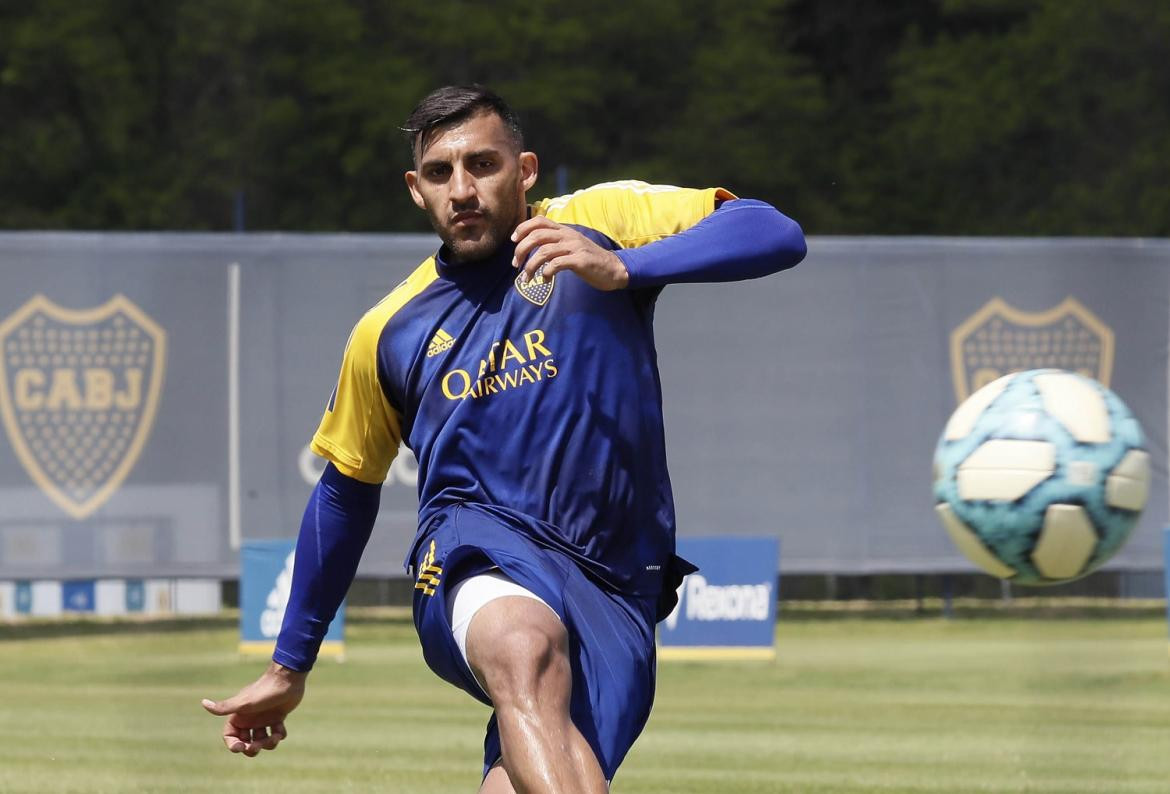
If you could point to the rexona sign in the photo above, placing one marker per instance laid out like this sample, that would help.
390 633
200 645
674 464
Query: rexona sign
728 608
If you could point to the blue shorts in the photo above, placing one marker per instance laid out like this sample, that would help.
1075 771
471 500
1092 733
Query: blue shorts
611 636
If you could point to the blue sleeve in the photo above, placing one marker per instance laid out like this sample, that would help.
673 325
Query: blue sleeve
742 239
334 531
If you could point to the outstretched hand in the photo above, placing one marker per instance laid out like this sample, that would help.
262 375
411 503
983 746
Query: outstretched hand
545 247
255 714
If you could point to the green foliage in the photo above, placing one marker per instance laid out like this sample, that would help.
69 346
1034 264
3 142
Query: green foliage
922 116
751 112
1051 126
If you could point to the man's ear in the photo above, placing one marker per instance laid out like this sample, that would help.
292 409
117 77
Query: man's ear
412 186
529 170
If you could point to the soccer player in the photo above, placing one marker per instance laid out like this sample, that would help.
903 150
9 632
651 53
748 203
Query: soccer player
518 364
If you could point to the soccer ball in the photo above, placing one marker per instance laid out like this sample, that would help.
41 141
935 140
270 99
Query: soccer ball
1040 476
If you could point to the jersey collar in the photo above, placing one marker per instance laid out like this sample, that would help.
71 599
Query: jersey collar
491 266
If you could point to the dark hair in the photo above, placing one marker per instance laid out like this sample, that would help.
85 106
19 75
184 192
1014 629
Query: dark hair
455 103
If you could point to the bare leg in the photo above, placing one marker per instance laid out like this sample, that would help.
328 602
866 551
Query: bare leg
518 650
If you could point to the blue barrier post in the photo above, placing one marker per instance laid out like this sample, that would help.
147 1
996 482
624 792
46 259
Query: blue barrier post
1166 568
265 580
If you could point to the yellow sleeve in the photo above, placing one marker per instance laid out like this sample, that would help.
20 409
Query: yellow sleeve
360 431
633 213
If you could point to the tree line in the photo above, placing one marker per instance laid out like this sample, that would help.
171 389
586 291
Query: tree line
984 117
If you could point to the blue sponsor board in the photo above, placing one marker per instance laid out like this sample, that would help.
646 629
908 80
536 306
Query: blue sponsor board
23 598
727 609
78 595
266 568
1165 568
135 595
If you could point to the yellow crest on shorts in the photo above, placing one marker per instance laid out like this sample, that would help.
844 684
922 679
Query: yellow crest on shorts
1000 338
429 574
78 394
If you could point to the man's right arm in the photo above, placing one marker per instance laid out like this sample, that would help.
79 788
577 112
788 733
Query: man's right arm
359 434
334 532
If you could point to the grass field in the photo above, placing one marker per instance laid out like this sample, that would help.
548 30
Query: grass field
852 704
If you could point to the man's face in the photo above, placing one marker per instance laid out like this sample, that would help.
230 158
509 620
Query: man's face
471 182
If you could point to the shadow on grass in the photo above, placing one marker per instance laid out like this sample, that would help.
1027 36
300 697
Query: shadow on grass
88 625
46 628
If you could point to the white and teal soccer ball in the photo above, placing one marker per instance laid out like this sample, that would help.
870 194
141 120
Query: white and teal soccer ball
1040 476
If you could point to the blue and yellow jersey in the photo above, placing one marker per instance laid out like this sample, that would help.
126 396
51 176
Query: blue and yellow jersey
539 402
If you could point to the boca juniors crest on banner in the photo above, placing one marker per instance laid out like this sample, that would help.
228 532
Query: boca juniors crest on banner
78 393
999 339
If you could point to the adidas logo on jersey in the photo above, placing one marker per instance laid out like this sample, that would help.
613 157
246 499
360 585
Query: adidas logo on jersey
440 343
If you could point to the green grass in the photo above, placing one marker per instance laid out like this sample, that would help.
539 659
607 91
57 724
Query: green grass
852 704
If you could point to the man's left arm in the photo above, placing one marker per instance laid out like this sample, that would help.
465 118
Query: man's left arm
742 239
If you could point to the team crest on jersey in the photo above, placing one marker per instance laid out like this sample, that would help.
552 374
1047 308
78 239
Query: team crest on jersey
78 394
1000 338
538 289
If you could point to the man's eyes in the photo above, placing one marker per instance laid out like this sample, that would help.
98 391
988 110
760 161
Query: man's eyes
437 172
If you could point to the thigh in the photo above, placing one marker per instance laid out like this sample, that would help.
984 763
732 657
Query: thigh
612 658
518 649
612 666
454 551
610 637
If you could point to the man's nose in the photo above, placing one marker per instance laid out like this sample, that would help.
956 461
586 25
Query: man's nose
462 186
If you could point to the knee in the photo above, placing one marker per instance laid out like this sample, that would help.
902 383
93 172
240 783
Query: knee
528 668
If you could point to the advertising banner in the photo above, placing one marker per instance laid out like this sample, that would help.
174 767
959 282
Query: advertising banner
726 609
158 392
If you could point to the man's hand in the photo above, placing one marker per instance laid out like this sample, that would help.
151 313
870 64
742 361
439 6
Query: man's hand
255 714
544 247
